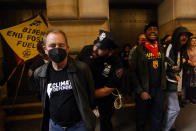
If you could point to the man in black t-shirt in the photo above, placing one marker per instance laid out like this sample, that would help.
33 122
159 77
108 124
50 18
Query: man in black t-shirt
66 87
148 77
107 69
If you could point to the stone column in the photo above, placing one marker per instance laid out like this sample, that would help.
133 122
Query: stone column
79 19
1 60
174 13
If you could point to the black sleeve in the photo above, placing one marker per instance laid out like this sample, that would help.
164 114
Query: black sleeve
133 72
116 72
36 63
90 86
34 84
84 53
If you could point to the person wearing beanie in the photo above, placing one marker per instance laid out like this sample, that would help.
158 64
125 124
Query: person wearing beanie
107 70
148 78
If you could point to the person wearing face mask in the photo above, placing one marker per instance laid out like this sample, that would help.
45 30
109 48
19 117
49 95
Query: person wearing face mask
147 74
174 51
140 39
107 70
66 87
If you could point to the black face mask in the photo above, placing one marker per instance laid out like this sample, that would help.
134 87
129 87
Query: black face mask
57 54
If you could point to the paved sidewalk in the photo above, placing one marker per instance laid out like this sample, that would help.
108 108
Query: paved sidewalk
123 120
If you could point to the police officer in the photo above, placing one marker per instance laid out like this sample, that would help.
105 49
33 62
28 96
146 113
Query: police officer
107 69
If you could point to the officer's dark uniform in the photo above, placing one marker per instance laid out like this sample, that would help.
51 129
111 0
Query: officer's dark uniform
106 72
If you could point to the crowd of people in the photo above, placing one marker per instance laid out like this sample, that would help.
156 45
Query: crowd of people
162 76
157 72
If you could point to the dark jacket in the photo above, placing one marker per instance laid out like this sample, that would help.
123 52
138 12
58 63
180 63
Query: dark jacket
99 65
83 89
172 82
172 52
140 71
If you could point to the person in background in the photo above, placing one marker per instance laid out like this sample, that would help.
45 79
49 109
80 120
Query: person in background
125 83
125 55
140 39
36 62
190 70
107 70
148 78
66 87
174 52
39 60
166 40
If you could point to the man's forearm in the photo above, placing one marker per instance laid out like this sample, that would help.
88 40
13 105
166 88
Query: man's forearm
103 92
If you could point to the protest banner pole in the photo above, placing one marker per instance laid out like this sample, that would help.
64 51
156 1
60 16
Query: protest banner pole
19 83
14 70
4 87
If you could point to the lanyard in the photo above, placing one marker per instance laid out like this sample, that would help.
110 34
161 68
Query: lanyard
178 59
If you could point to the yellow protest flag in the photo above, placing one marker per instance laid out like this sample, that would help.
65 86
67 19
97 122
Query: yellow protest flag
23 38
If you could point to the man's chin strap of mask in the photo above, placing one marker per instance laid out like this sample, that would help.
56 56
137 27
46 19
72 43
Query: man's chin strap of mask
118 100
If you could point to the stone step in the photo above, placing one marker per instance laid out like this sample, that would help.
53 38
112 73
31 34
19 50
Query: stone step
20 100
31 124
22 111
35 104
23 117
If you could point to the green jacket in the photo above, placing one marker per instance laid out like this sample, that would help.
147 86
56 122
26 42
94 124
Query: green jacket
140 71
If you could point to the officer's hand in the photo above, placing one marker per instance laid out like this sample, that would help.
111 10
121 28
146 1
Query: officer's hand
145 96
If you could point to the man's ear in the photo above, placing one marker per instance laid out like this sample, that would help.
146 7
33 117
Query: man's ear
67 49
45 50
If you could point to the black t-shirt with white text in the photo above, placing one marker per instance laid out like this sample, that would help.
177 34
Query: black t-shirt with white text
63 107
